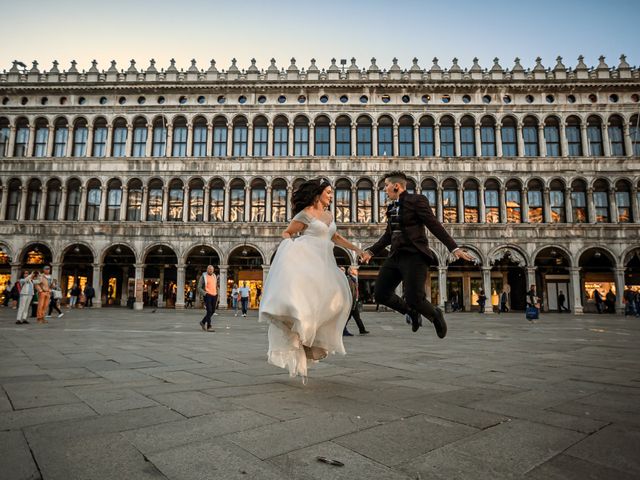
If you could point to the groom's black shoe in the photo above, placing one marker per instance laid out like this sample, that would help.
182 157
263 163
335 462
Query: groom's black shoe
439 323
414 318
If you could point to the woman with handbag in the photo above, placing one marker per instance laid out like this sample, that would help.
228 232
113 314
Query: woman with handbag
533 305
56 296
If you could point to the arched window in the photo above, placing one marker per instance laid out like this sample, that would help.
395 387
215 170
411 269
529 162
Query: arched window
5 131
623 201
594 136
179 146
134 200
236 211
139 147
61 135
488 137
322 137
301 136
196 200
552 136
54 196
216 200
239 137
363 136
343 137
99 138
154 203
634 133
385 137
514 201
450 201
279 200
467 137
530 137
535 201
159 145
492 201
509 140
176 200
114 200
405 137
22 137
343 201
73 199
574 141
365 201
430 190
260 137
579 201
616 138
42 138
119 144
94 198
471 204
258 201
80 136
411 186
427 144
601 200
556 199
34 196
220 137
280 137
199 137
447 141
13 200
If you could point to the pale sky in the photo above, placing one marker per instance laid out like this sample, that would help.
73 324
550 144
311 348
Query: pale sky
45 30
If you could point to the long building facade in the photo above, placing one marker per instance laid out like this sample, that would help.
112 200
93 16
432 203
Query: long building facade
135 180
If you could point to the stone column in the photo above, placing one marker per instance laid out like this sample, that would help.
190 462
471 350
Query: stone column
3 201
439 206
180 286
169 152
564 144
606 146
576 288
354 137
396 144
525 205
353 204
268 204
124 290
312 141
546 203
270 140
486 280
613 208
222 293
42 206
16 271
247 203
456 136
628 144
568 205
165 203
102 216
477 140
591 208
207 203
376 204
634 204
31 141
209 143
250 140
145 203
128 152
436 139
289 194
148 147
461 204
229 139
541 141
520 138
22 208
123 203
416 140
109 145
531 278
82 208
185 203
265 273
12 142
62 211
227 201
89 152
482 210
499 140
290 141
332 139
586 151
619 279
139 287
161 287
69 147
503 205
189 139
442 284
97 284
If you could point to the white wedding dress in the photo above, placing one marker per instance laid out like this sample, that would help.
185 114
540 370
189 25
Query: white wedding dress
306 299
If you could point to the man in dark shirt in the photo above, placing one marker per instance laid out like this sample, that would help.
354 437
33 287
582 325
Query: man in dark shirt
409 259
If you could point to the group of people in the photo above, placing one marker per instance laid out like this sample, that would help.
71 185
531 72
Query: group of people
606 304
38 294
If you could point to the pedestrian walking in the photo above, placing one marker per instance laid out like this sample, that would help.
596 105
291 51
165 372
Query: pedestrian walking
482 300
73 295
533 305
597 296
26 295
90 294
244 298
235 299
208 288
504 299
43 288
56 296
610 301
352 277
561 300
190 298
6 294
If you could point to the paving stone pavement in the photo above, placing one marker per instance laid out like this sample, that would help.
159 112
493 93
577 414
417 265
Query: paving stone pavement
118 394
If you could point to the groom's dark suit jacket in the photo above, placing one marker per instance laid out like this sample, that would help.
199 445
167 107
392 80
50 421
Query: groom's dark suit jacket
415 214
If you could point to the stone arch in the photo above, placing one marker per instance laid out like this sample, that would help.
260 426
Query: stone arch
516 254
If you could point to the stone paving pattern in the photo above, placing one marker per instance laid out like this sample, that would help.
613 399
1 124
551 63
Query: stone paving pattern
118 394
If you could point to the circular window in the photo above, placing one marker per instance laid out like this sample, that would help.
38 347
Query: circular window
242 99
121 100
426 98
5 100
282 99
613 98
103 100
635 98
44 100
324 99
571 98
221 99
182 100
593 98
201 100
406 99
24 101
506 99
486 99
386 98
82 100
262 99
141 100
550 98
302 99
529 98
364 99
344 99
466 98
63 100
161 100
445 98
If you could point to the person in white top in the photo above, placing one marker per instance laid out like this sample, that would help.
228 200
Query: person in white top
26 294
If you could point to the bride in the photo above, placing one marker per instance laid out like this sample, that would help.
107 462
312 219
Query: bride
306 298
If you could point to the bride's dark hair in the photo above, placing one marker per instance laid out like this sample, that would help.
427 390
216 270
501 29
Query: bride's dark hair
306 193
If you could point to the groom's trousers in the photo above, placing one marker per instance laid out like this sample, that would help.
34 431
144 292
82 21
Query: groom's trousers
411 269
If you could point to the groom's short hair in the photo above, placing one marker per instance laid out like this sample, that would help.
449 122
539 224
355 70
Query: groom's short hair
397 177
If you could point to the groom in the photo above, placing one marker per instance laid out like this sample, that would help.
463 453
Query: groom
409 258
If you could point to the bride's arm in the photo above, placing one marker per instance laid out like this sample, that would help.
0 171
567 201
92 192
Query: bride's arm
343 242
294 228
